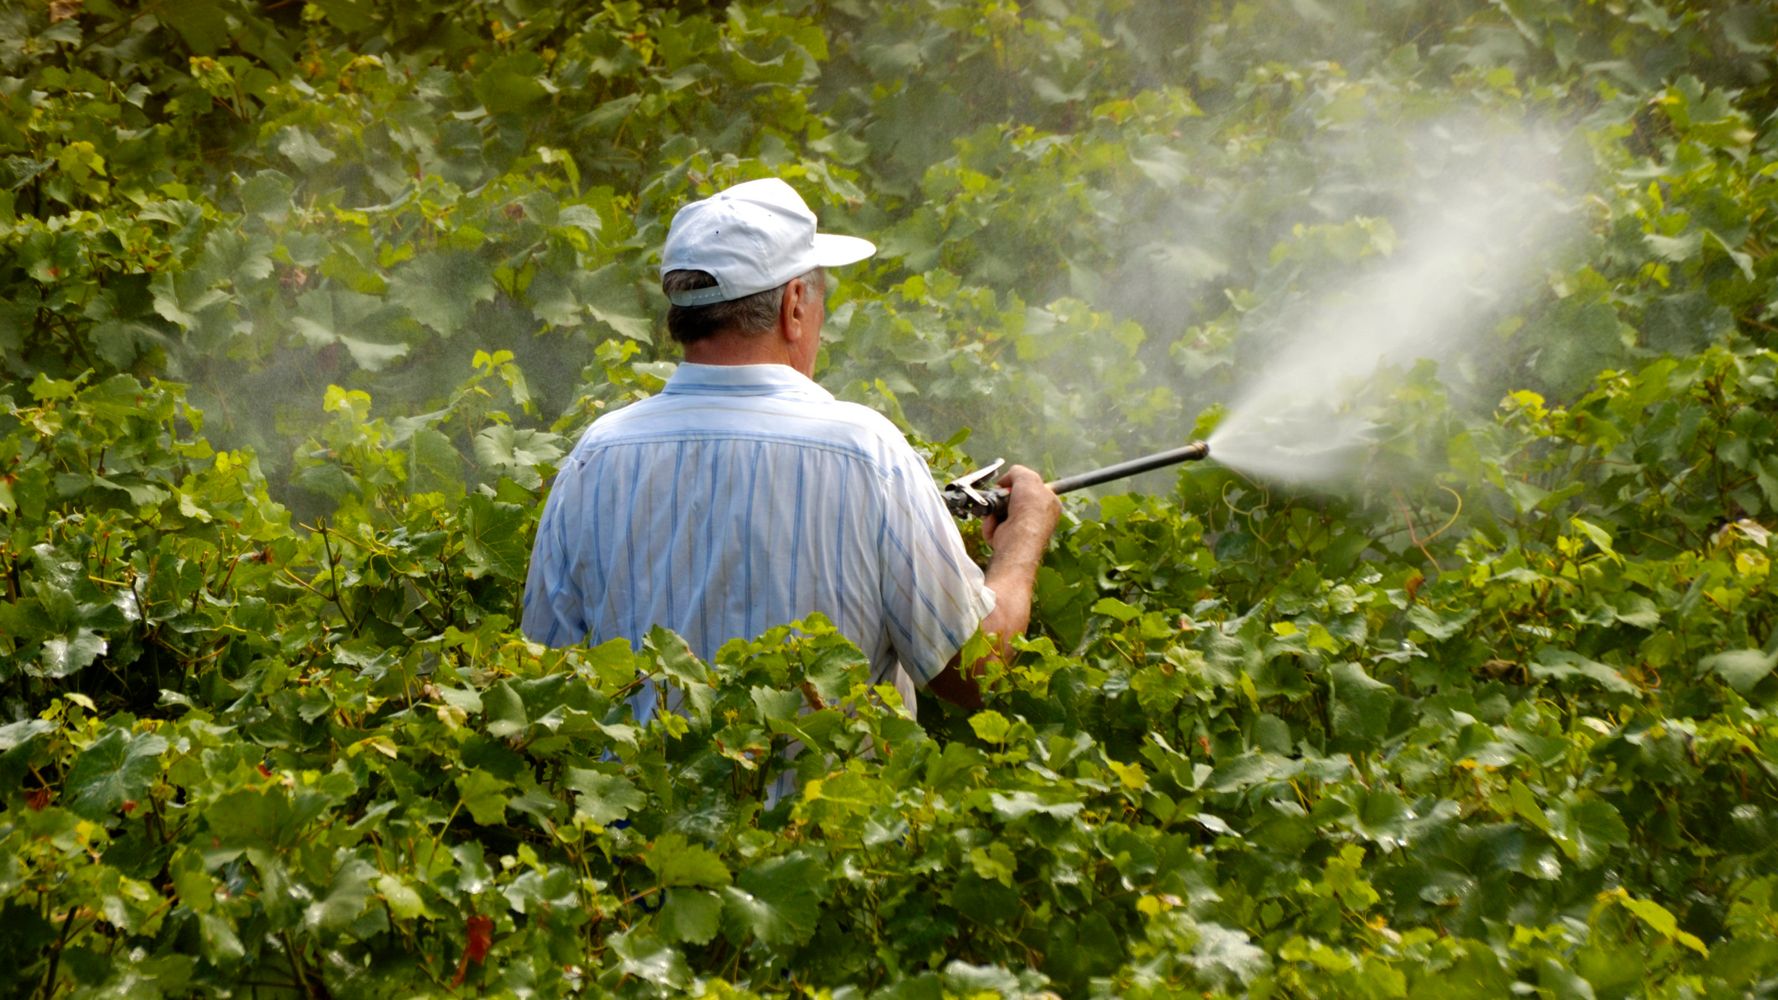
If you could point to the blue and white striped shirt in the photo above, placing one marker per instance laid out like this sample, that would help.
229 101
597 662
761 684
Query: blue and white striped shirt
743 497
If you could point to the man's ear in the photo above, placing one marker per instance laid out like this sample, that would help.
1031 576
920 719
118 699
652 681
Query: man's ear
791 308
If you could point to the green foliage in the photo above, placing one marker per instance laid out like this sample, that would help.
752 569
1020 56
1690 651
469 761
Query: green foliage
302 304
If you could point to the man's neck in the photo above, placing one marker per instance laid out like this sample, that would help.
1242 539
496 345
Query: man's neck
732 349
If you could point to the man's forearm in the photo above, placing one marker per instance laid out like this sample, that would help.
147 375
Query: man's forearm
1019 543
1012 576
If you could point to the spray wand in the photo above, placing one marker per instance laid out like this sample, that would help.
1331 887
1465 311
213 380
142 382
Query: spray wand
966 497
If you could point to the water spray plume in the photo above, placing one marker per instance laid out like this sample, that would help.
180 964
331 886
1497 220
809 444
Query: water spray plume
1471 240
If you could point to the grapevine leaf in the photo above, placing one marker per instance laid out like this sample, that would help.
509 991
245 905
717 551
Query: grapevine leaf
1226 955
553 300
116 768
404 902
1525 804
494 537
676 861
777 900
1588 829
267 195
517 450
1117 609
442 289
64 655
602 798
646 957
22 733
505 711
610 296
511 83
303 149
484 795
1361 705
201 23
1743 669
346 897
691 916
216 935
990 726
1019 804
1660 920
251 817
1562 664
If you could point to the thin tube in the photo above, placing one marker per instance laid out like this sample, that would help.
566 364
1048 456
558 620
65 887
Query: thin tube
1190 453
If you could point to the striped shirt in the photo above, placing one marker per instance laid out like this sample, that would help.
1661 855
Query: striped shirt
743 497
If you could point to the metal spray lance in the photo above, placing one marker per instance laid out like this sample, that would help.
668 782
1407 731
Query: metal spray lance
967 496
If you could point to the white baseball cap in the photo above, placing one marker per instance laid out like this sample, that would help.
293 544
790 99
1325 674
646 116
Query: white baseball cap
751 237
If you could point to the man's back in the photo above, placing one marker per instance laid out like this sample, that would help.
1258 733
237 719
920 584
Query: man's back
743 497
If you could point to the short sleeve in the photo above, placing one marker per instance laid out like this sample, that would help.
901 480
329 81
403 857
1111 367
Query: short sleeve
934 596
555 612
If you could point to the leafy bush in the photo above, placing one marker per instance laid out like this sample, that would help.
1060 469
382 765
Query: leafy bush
301 304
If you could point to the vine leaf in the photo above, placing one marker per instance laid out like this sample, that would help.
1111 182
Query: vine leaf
117 768
1742 668
778 900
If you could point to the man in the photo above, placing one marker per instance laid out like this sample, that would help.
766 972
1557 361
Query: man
745 496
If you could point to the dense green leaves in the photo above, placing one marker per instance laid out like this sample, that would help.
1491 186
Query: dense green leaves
302 305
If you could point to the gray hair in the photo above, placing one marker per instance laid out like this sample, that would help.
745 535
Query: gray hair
749 314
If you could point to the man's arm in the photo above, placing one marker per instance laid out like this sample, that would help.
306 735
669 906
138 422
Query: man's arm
1019 543
553 611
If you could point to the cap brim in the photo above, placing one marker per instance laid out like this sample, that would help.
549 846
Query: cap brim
834 251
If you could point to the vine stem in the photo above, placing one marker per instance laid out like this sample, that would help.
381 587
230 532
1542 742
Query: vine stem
333 572
438 839
1414 534
296 969
55 956
644 894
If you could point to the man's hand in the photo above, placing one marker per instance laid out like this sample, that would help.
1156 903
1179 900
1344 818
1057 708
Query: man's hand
1029 502
1019 541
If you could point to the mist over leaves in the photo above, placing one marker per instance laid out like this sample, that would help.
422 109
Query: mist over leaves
1442 277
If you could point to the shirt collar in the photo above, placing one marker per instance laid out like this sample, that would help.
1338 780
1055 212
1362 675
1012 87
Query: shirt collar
741 380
